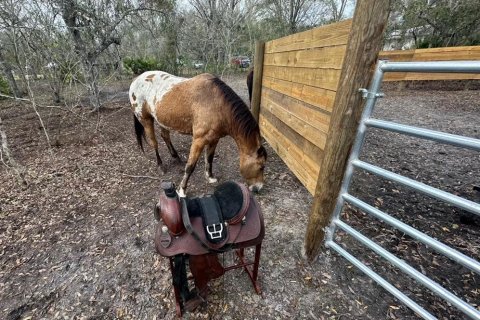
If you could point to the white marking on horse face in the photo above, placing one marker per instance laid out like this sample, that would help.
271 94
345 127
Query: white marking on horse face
256 187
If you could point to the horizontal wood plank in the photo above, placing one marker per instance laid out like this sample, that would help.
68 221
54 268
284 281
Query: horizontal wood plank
441 76
317 97
319 78
319 119
449 49
396 55
308 148
323 36
287 153
311 167
323 58
304 128
433 54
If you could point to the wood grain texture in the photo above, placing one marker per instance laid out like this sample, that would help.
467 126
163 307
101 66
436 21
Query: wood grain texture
313 131
323 58
257 78
319 78
293 157
329 35
319 119
311 167
434 54
413 76
311 150
318 97
363 46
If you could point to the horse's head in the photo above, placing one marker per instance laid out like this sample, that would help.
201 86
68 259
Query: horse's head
252 166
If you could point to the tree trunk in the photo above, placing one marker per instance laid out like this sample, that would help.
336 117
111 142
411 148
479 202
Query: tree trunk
7 158
7 71
119 64
91 73
170 53
70 15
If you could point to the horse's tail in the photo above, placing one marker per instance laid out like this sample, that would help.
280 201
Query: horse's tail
139 131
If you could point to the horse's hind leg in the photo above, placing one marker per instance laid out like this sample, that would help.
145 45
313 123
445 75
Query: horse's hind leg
166 137
147 123
195 151
209 154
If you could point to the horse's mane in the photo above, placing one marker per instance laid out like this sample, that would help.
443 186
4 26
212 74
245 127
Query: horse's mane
245 123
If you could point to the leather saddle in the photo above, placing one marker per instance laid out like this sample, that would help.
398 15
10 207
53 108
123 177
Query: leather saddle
215 223
192 231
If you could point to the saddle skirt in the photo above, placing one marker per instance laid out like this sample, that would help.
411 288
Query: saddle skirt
229 218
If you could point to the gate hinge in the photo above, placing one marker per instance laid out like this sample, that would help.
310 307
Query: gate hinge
368 95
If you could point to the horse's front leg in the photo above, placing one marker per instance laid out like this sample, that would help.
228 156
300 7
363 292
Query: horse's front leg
195 150
209 154
166 137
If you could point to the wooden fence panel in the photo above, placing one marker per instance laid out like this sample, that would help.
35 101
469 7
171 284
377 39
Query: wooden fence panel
324 36
300 77
434 54
316 97
326 57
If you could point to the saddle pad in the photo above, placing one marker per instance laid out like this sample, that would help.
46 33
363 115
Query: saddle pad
240 235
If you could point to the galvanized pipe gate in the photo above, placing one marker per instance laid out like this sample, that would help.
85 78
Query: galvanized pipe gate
371 96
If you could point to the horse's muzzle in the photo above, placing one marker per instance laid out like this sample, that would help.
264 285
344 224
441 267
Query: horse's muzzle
256 187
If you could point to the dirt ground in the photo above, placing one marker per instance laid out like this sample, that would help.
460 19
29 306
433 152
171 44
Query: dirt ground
77 242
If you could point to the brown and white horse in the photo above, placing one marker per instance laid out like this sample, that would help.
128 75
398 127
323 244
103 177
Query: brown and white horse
204 107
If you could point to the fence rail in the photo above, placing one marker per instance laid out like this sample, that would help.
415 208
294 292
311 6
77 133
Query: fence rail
355 163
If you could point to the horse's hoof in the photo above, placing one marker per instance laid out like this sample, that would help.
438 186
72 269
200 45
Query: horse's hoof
178 160
209 178
212 180
181 193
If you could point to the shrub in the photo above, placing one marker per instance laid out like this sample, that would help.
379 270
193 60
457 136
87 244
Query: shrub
4 87
139 65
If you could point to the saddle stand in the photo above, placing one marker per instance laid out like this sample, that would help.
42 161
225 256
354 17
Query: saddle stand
194 231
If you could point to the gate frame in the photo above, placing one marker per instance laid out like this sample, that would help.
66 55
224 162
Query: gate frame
366 121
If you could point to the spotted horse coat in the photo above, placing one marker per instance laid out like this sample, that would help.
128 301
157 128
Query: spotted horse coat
204 107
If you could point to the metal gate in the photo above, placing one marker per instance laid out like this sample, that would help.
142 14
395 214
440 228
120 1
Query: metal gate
371 96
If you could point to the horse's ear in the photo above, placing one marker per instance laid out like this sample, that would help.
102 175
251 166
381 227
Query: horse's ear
261 152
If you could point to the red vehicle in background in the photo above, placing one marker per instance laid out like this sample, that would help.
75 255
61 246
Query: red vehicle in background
241 61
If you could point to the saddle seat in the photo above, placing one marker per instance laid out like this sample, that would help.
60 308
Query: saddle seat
229 218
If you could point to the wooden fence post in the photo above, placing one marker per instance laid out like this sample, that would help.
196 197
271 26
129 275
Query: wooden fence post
363 46
257 78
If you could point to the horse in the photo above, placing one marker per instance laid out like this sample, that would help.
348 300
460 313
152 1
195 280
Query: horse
203 107
250 85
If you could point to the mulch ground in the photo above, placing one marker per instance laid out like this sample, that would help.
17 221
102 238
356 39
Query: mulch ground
77 242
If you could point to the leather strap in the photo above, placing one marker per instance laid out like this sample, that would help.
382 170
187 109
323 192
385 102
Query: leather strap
191 230
215 229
